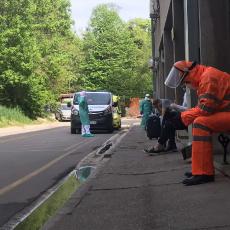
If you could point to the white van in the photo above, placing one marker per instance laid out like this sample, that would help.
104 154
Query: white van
100 111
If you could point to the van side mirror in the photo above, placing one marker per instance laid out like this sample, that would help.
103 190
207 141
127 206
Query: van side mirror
69 104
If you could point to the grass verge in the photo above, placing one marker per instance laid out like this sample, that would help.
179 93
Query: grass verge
38 218
15 117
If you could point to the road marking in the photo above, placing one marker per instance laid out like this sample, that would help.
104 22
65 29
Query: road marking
75 145
51 150
43 168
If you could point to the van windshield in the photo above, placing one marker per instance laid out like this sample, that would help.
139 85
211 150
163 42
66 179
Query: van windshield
95 98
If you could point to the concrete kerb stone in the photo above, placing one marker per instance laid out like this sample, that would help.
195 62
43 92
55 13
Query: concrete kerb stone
95 159
26 212
92 159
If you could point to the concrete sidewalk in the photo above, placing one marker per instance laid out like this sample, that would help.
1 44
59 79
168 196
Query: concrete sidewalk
134 191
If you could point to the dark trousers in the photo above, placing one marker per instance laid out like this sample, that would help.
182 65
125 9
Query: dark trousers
168 133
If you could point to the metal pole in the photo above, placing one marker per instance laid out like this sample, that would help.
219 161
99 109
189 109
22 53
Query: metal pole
153 57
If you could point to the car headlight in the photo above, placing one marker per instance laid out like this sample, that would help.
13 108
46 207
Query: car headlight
108 110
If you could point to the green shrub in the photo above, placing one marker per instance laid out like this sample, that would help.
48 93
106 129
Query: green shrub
12 116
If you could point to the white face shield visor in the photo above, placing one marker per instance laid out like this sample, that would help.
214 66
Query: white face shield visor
174 78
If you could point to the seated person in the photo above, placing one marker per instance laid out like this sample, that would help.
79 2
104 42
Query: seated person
166 141
211 115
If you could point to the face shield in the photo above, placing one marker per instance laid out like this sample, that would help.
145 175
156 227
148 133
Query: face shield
175 77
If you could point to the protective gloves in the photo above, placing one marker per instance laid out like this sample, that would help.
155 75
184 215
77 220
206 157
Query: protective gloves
175 118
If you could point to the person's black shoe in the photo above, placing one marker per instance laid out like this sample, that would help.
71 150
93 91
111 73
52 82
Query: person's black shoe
188 174
150 152
198 179
171 148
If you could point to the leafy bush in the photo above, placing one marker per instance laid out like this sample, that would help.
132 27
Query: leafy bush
12 116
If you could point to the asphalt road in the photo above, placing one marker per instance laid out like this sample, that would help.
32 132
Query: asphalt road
30 163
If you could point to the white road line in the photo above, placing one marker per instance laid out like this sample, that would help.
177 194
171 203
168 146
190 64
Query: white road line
38 171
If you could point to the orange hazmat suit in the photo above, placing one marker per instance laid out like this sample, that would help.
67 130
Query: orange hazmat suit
211 115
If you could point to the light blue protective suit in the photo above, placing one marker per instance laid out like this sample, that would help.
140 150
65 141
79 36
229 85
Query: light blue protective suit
145 109
83 110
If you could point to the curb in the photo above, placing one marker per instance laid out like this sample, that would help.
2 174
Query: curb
94 159
79 195
20 217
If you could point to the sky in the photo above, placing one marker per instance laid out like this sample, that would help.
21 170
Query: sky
128 9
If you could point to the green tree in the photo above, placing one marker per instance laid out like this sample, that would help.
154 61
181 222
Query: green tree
117 54
52 25
19 53
38 53
109 52
142 79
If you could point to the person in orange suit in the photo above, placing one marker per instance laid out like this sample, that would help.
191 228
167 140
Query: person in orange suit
212 113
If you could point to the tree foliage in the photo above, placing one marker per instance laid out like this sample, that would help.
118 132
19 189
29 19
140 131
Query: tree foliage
36 55
116 53
141 34
41 57
109 52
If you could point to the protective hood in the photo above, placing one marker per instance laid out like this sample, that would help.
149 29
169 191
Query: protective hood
194 76
179 73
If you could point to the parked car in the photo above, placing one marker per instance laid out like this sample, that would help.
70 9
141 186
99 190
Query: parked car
63 113
100 111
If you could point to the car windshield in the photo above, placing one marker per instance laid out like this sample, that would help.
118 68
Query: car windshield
102 98
65 107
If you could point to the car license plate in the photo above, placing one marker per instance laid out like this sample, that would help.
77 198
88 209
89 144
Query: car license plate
93 122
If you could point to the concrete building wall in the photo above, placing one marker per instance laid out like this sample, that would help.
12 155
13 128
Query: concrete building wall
168 61
161 90
164 8
196 30
208 28
178 40
214 33
192 39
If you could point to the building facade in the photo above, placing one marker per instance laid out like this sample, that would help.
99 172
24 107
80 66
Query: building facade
194 30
